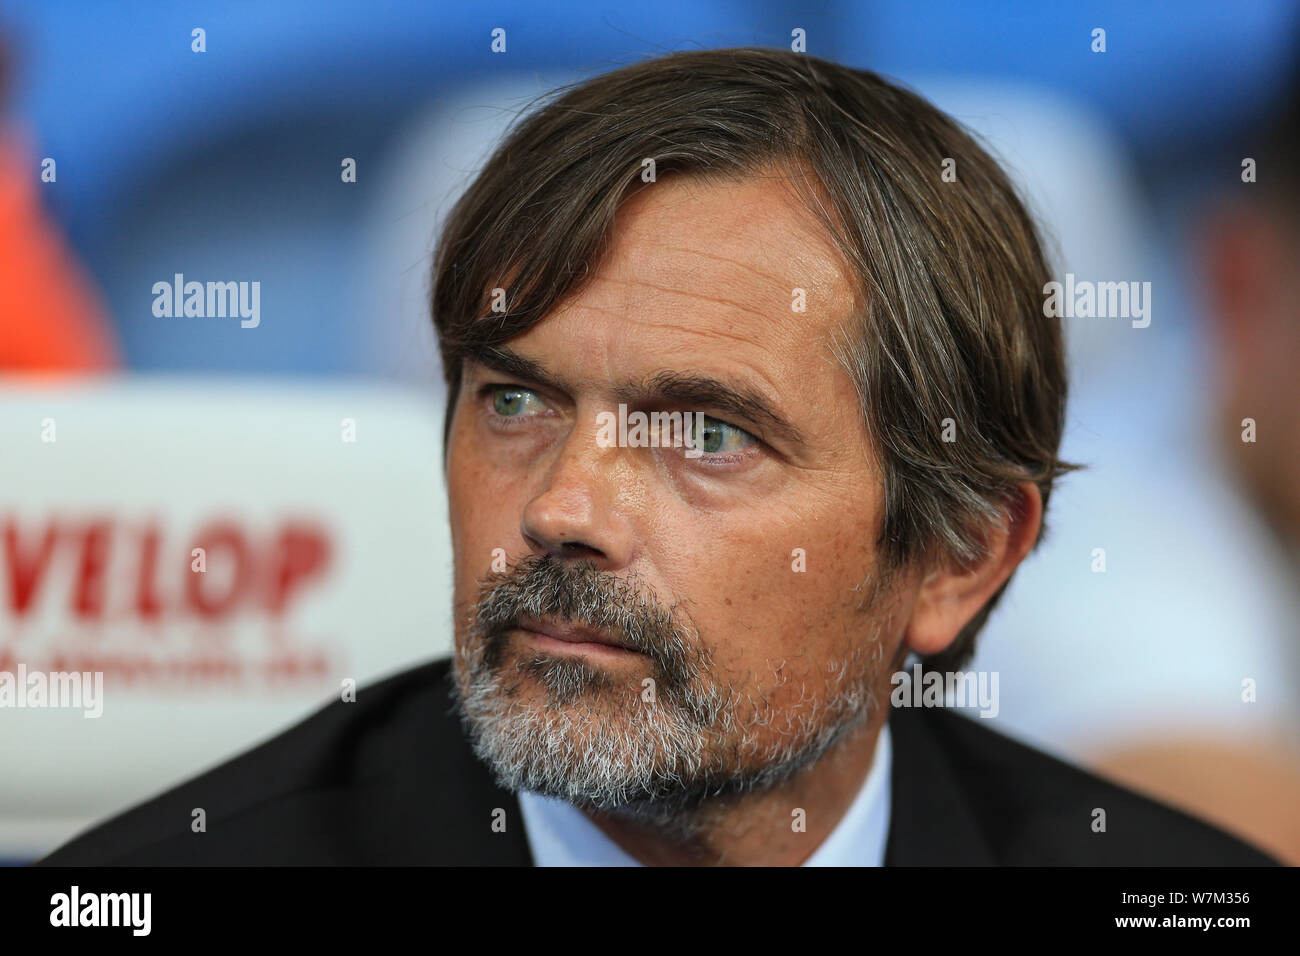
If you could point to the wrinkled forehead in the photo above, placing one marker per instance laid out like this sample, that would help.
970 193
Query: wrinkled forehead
736 266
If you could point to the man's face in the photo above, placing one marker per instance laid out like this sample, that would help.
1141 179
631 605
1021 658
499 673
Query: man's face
737 582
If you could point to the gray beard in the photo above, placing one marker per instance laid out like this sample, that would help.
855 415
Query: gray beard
673 762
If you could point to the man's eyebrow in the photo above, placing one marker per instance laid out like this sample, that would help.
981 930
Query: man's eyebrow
703 391
511 363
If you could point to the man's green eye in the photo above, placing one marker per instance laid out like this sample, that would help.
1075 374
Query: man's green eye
511 402
713 437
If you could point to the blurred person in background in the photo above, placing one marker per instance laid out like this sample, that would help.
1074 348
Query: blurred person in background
50 316
1252 252
1249 251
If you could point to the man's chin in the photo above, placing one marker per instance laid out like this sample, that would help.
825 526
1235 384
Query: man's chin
587 684
606 751
566 728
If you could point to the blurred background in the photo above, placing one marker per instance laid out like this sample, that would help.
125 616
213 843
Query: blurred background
310 148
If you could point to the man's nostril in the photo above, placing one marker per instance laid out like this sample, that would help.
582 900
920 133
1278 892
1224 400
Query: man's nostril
575 548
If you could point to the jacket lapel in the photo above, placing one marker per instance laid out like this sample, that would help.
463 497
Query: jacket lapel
481 824
931 824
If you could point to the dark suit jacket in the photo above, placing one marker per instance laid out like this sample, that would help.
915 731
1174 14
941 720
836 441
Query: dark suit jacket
391 779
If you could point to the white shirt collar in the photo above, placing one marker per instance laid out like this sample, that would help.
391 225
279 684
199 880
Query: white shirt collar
559 834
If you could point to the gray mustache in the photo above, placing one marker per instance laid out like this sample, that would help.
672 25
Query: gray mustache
579 593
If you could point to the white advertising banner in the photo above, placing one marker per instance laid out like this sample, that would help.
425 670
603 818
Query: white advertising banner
187 567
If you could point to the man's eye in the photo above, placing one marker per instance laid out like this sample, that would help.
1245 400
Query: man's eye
510 401
714 437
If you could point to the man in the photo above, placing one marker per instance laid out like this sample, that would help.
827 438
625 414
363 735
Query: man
751 398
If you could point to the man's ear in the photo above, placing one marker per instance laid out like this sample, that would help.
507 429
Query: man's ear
948 597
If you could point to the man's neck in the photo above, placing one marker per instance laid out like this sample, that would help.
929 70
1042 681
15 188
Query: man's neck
762 829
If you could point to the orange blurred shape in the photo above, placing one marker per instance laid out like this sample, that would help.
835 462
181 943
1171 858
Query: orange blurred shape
50 317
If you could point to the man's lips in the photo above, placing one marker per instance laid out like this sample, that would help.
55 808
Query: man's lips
568 636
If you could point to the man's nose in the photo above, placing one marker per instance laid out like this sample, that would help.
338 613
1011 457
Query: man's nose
579 511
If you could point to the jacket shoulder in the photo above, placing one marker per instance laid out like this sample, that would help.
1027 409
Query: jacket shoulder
1035 809
387 778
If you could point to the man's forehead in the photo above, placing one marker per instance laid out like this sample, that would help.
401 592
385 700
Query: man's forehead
737 266
745 245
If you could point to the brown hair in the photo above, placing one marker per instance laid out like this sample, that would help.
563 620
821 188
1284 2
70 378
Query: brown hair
951 272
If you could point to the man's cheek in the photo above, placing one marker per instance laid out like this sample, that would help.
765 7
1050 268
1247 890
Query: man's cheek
473 477
475 540
778 644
